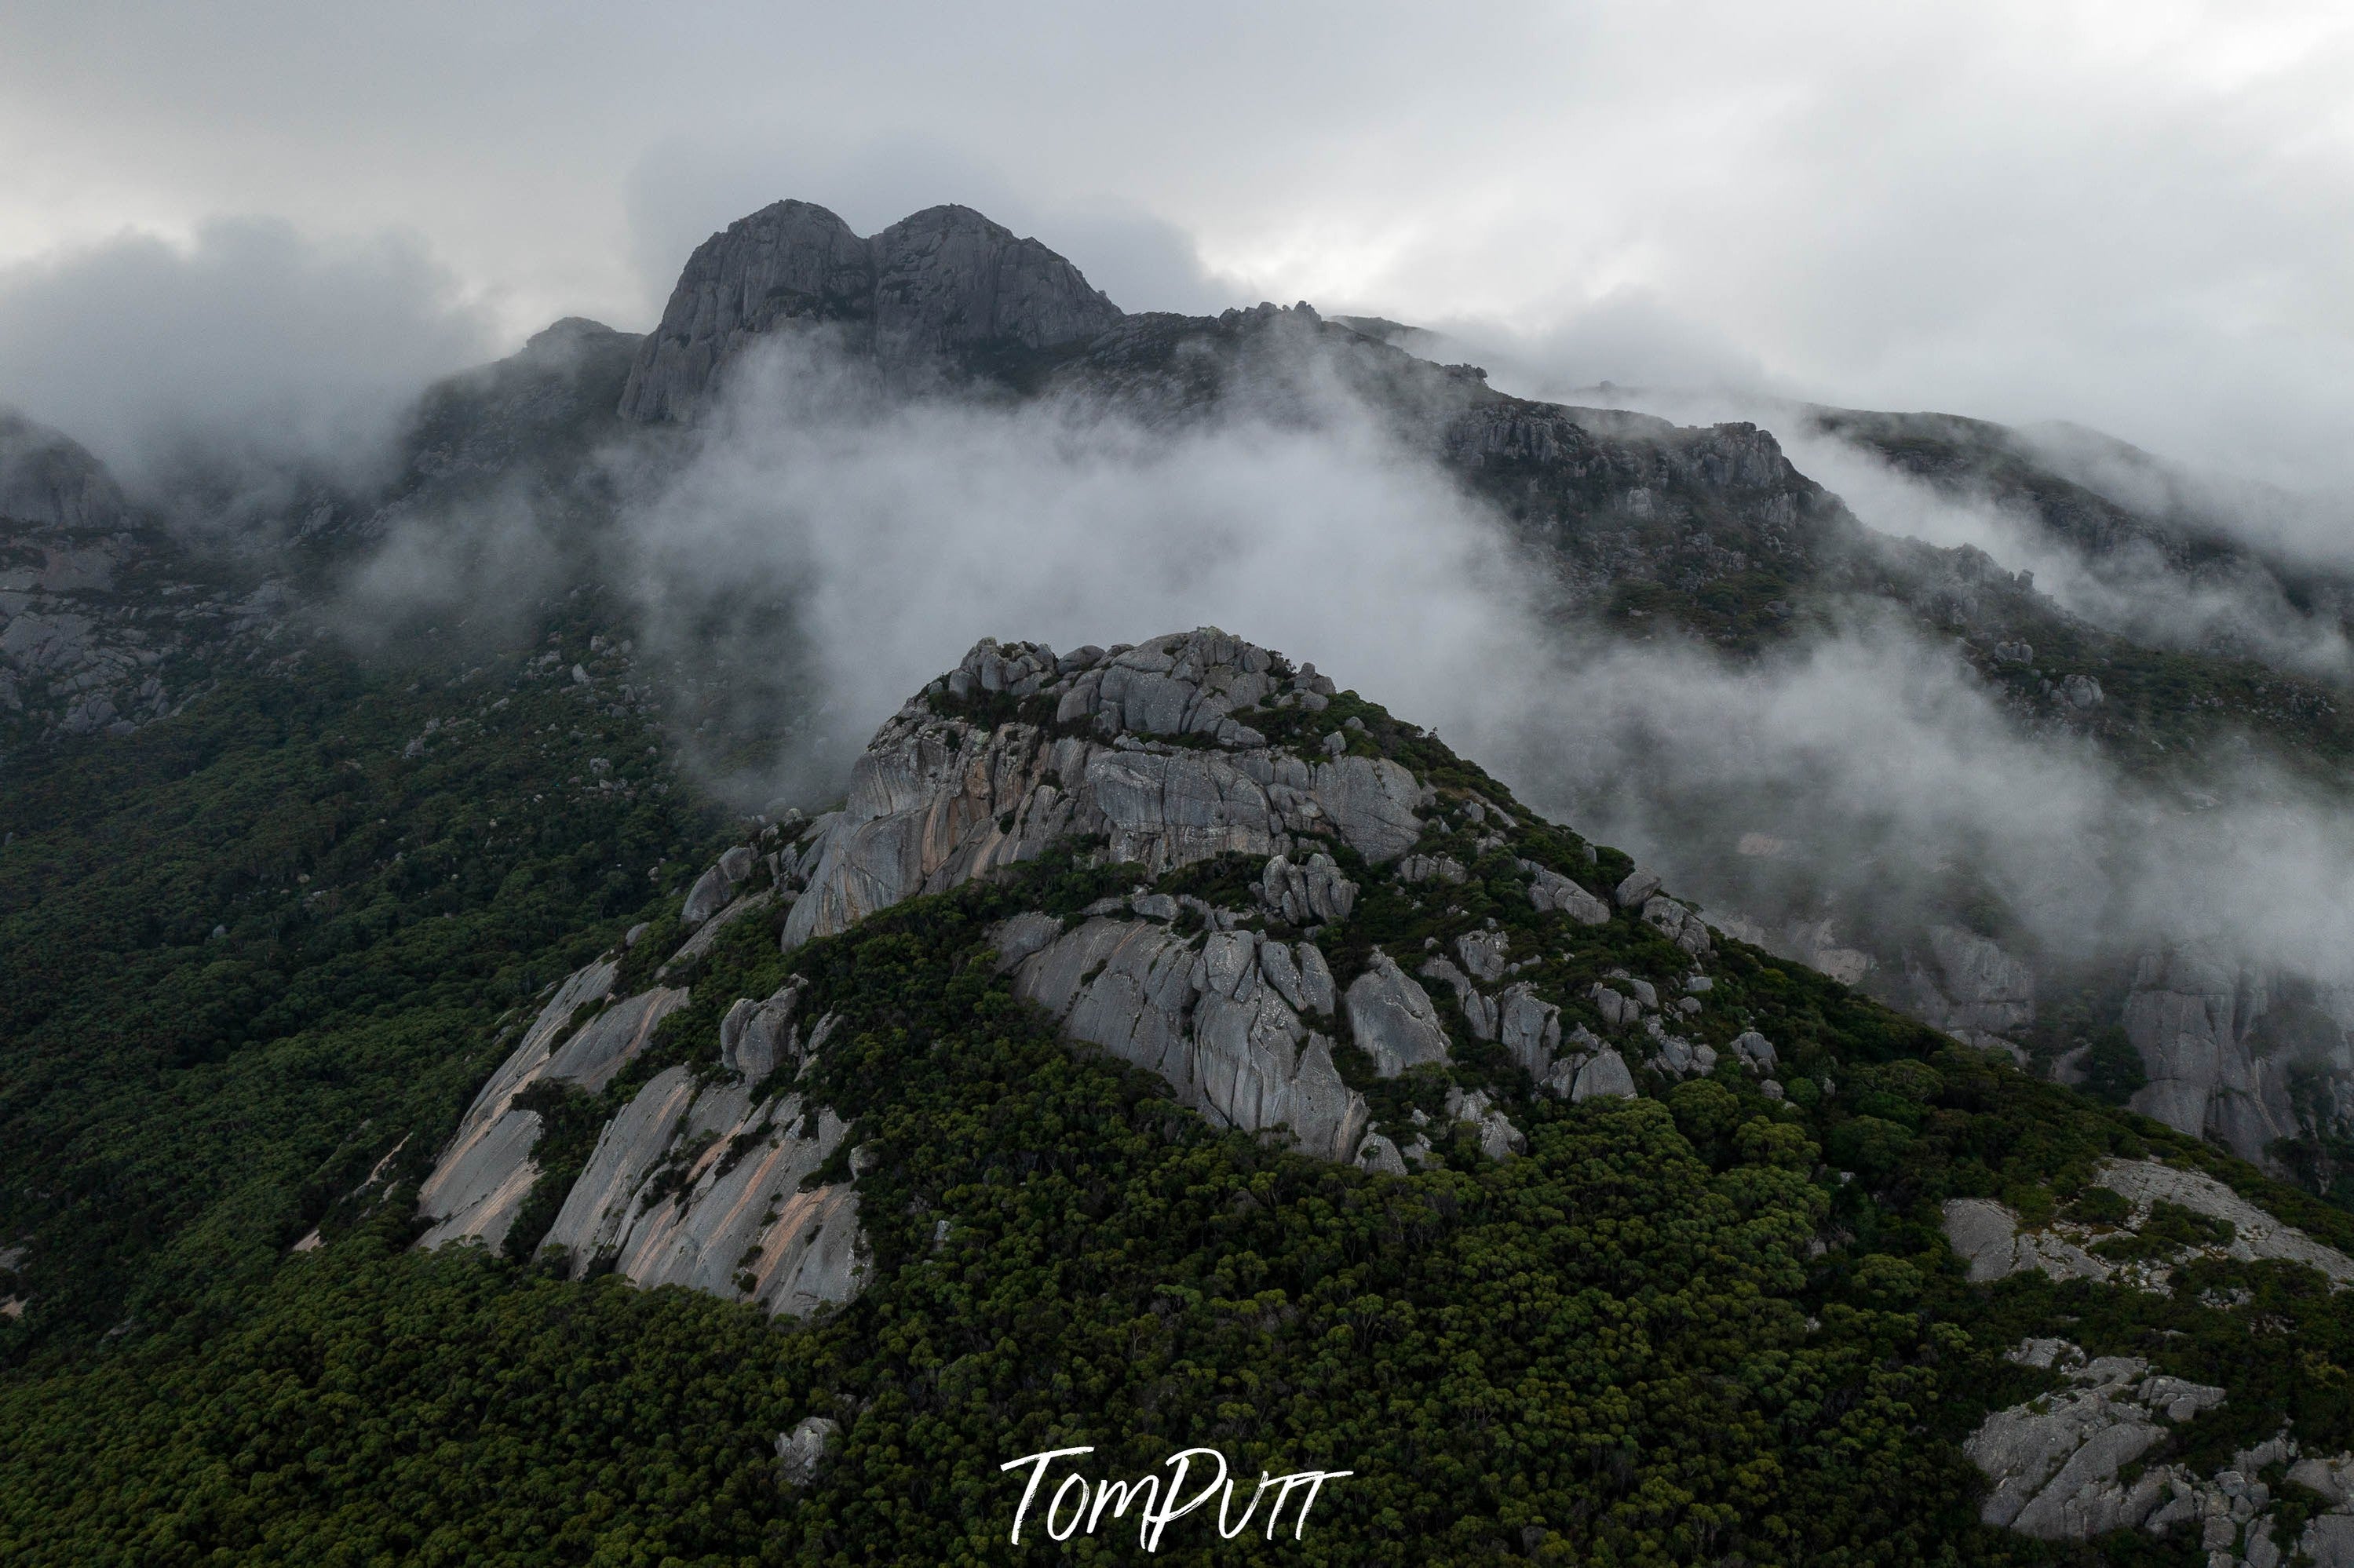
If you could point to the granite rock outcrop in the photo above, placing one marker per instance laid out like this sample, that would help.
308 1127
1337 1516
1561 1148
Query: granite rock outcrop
938 799
944 286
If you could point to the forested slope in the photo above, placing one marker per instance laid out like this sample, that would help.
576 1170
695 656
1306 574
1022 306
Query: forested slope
1713 1322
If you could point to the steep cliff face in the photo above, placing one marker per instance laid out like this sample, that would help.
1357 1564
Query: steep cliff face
2226 1049
943 283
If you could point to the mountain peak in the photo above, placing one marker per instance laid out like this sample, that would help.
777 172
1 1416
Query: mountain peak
51 480
943 283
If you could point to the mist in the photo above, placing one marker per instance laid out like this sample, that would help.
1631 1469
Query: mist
236 365
825 528
836 548
1633 355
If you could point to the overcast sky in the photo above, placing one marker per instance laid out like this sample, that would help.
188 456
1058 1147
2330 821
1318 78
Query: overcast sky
2140 215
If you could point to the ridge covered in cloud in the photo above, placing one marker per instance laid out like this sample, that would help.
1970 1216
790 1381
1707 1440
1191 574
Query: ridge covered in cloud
252 348
2136 217
852 546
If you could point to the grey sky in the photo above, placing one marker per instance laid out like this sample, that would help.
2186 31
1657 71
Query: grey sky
2140 215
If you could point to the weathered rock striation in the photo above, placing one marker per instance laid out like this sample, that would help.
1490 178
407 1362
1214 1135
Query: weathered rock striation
482 1177
937 799
1226 1025
2218 1063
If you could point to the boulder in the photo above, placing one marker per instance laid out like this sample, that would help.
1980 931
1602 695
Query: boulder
1497 1136
1550 890
1530 1029
801 1450
755 1038
1678 923
1603 1075
1392 1021
1482 953
709 895
1432 868
1313 894
1636 888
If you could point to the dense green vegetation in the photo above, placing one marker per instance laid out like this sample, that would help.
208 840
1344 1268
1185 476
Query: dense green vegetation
1704 1325
252 949
1624 1346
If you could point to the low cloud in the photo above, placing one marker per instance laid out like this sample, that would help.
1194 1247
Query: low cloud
226 364
835 549
886 539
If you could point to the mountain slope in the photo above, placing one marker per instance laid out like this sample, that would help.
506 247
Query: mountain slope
429 1129
1677 1311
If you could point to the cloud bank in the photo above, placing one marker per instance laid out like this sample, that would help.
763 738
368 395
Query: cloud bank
2134 216
852 547
250 352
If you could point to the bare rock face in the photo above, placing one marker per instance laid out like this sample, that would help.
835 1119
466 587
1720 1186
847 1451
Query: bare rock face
2071 1466
943 283
1223 1025
2054 1461
108 622
2196 1022
700 1189
1973 990
1306 895
1550 890
1989 1236
802 1449
1392 1020
936 800
948 279
756 1036
480 1179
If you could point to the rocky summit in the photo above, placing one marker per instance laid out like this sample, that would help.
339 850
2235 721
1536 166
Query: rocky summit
1310 925
945 281
440 1120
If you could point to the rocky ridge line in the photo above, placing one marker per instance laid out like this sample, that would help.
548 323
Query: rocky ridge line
1190 750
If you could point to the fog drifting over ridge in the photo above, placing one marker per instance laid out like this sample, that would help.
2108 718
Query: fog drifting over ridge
2137 217
252 351
885 538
